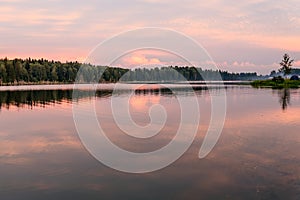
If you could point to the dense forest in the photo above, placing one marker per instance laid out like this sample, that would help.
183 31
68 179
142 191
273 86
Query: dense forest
38 71
19 71
184 73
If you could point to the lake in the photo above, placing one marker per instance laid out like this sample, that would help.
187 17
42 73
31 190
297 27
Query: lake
256 157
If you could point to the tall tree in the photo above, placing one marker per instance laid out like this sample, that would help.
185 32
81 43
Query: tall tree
3 74
11 75
286 64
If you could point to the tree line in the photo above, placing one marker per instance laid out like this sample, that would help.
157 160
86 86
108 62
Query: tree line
176 73
24 71
21 71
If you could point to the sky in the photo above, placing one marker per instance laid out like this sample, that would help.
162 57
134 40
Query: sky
238 35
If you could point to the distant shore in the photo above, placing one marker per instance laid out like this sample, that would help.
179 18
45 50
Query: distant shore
126 85
34 83
42 83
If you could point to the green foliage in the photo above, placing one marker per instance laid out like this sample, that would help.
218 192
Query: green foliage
278 79
32 71
3 74
10 71
276 84
183 74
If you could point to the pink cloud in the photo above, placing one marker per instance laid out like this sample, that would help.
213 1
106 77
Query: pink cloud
136 60
143 58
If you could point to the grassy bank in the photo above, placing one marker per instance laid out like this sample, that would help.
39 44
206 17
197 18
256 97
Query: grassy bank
275 84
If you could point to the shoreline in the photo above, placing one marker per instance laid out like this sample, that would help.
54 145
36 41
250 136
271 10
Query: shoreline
292 84
111 85
129 82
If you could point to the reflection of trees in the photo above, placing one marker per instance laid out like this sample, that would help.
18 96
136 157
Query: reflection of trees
42 98
33 98
284 98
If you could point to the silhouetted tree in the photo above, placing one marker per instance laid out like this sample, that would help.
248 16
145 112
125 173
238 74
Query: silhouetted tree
286 64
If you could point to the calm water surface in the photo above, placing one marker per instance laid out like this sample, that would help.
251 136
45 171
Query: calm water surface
257 156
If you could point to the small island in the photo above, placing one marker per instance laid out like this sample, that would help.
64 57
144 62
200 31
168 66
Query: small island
276 83
280 82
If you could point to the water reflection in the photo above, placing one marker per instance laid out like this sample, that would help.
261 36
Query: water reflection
257 156
284 98
33 98
43 98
